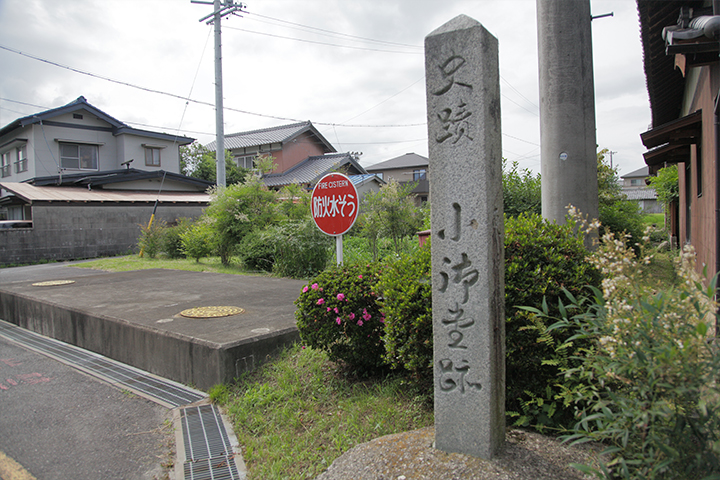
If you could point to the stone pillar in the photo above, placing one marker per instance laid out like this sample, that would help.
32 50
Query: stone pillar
567 109
464 137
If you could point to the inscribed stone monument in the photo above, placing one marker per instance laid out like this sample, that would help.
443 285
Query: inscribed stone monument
464 137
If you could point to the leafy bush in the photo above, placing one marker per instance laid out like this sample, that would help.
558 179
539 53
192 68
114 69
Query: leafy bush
338 313
622 216
390 212
236 211
295 249
197 239
301 249
151 238
407 304
521 190
257 250
172 238
359 249
542 260
646 386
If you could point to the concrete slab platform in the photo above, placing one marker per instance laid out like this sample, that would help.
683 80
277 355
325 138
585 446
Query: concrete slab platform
134 317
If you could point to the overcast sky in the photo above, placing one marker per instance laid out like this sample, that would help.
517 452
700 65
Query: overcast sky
354 68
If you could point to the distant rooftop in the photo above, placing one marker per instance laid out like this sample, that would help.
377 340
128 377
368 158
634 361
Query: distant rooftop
640 172
405 161
312 168
266 136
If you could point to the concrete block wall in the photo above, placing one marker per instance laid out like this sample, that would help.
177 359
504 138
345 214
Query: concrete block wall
73 231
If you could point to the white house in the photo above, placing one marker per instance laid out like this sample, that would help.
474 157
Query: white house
79 182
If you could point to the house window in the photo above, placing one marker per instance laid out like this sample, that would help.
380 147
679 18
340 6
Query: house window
246 162
636 182
5 165
78 156
419 175
21 163
152 157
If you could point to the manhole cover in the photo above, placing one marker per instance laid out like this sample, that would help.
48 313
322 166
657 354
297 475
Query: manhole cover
53 283
211 312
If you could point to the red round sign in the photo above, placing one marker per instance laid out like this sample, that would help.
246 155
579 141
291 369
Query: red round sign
334 204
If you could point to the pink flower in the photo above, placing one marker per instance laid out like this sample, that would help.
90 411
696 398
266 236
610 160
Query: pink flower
360 277
338 320
366 316
329 309
320 301
351 316
314 286
341 296
305 289
360 323
337 311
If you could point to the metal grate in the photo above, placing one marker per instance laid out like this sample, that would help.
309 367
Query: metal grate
208 450
165 392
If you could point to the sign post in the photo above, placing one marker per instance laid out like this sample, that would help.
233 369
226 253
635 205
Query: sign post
334 205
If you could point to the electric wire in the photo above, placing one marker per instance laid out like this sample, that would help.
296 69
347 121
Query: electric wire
346 35
315 42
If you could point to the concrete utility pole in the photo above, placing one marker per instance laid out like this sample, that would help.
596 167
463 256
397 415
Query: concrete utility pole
567 108
220 9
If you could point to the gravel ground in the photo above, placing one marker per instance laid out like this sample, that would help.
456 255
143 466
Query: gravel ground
411 456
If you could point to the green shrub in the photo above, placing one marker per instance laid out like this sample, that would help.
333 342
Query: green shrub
542 260
257 250
338 312
521 190
407 304
237 210
151 238
172 238
646 386
622 216
197 239
301 249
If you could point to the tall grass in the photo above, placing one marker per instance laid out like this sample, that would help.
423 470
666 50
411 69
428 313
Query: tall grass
298 413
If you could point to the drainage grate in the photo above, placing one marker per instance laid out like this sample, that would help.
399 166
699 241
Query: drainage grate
208 450
165 392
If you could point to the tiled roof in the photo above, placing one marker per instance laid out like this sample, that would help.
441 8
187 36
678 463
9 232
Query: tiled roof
80 103
31 193
312 168
404 161
266 136
640 172
360 179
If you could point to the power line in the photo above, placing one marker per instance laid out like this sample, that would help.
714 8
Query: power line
187 99
382 42
323 43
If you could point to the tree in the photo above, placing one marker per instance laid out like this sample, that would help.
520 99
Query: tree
521 190
617 213
390 212
666 185
199 162
236 210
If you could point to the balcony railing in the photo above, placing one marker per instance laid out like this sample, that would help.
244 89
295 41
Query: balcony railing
422 188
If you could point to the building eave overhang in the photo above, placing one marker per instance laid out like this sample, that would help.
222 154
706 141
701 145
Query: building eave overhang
670 143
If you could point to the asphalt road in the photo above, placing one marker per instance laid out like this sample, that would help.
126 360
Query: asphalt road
59 423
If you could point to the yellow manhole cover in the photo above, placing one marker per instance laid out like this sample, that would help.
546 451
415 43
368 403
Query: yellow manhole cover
53 283
211 312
